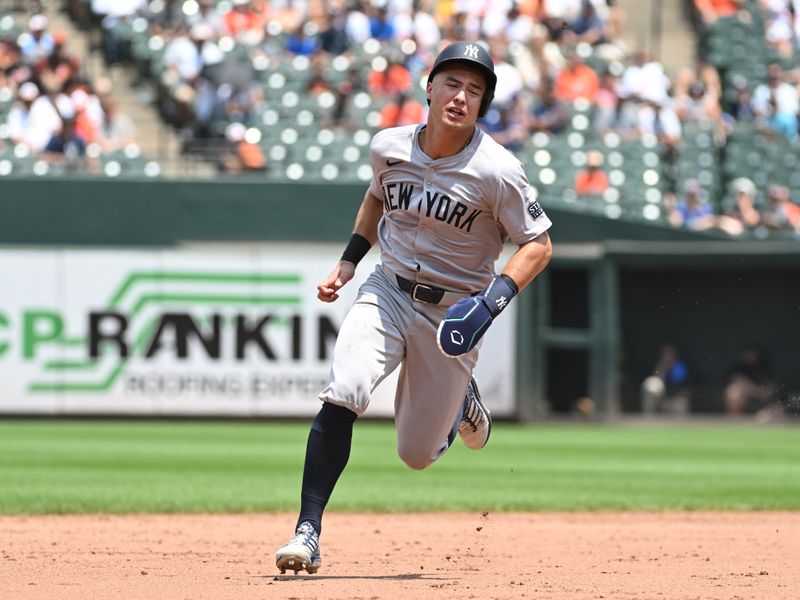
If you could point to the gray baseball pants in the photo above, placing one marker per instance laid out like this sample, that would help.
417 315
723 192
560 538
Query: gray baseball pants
384 328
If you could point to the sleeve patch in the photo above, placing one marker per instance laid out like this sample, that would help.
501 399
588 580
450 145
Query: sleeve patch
535 209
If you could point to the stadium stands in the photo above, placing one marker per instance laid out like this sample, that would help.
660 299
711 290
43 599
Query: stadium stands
284 95
53 120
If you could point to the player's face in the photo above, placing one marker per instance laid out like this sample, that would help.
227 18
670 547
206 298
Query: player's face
455 94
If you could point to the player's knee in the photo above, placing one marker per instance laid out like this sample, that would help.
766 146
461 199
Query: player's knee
418 463
414 458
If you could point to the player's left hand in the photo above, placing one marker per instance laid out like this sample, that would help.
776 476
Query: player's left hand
468 319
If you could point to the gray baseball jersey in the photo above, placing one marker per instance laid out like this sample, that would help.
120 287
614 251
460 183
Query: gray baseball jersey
445 220
444 224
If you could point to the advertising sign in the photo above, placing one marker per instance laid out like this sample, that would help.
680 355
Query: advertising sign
215 331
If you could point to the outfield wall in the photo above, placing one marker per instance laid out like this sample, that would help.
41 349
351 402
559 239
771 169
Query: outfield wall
590 326
112 212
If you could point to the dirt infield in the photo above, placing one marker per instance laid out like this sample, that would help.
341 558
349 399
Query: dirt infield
569 556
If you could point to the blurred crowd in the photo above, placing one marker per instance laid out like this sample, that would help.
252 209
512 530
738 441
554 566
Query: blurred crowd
59 115
692 210
749 386
642 100
204 84
210 61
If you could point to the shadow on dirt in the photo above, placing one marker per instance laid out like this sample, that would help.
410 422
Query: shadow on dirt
401 577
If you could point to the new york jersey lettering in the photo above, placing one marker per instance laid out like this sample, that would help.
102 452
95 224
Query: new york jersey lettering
443 208
397 195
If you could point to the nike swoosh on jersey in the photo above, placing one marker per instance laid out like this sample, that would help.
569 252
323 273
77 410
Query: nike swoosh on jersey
391 163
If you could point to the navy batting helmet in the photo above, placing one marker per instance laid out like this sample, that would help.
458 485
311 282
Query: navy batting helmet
475 54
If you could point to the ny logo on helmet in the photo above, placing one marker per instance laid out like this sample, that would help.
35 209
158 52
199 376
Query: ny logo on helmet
471 50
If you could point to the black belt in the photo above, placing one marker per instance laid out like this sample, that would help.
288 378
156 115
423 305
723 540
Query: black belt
421 291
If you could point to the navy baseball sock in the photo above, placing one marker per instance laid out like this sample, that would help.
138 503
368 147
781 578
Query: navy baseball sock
327 453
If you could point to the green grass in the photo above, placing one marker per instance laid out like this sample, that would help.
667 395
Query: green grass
162 466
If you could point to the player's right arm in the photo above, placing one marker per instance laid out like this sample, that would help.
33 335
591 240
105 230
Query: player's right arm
366 226
368 217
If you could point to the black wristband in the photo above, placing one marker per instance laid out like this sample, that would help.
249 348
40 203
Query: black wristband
357 248
511 283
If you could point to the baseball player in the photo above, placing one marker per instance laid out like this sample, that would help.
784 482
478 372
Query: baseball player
443 200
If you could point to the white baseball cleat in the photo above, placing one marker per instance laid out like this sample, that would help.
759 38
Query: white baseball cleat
476 422
301 552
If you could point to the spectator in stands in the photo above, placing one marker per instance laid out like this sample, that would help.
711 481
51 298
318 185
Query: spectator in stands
520 26
116 130
697 93
740 108
166 16
207 14
318 81
591 180
779 30
333 38
531 62
657 118
66 144
576 80
692 211
667 389
491 18
300 43
743 215
187 55
587 26
110 12
711 10
33 120
358 25
238 155
695 102
555 12
606 114
11 62
776 104
289 15
244 23
419 25
87 115
508 124
191 100
381 26
57 71
461 24
546 56
340 113
37 43
751 387
245 104
391 81
781 213
509 81
644 77
548 114
404 110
